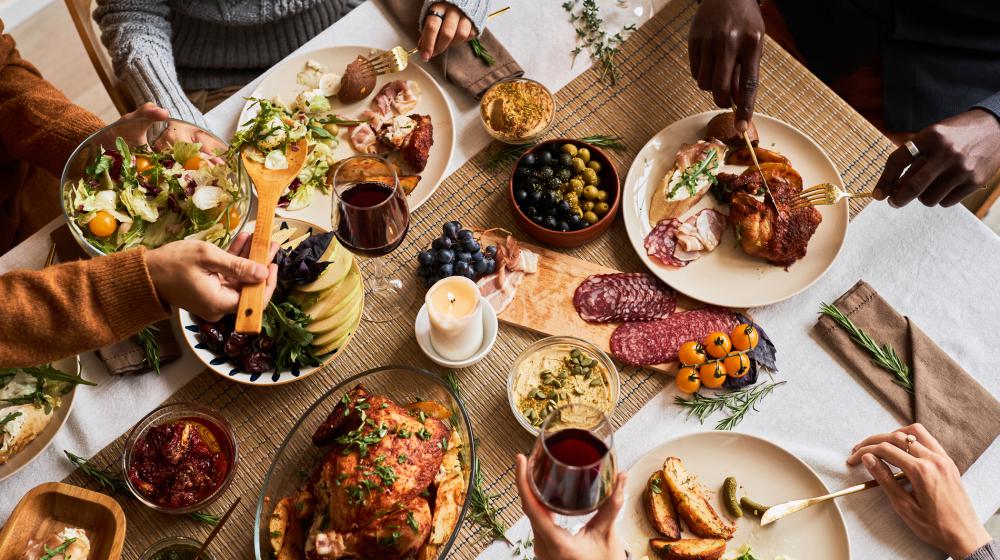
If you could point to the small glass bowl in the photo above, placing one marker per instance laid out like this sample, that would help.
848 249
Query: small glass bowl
516 139
180 411
163 544
570 342
157 134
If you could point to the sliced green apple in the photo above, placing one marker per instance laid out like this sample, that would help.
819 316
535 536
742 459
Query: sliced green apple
344 308
326 339
341 264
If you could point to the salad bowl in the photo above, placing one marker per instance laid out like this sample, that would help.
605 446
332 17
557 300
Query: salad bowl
287 231
146 183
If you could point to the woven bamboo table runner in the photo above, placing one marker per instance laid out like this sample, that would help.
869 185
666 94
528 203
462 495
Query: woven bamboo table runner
653 90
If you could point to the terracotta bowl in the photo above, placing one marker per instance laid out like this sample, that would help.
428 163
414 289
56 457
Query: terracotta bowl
609 182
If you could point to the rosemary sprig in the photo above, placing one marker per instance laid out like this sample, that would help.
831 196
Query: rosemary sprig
605 141
505 155
483 511
147 340
590 35
109 481
206 518
480 51
883 356
737 403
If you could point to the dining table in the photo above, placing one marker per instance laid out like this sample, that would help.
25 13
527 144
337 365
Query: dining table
937 266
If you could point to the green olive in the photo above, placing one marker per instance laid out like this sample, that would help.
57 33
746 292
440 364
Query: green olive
578 190
590 177
590 217
584 154
576 209
332 128
601 208
577 165
590 192
587 206
572 198
602 196
595 165
569 149
566 188
574 183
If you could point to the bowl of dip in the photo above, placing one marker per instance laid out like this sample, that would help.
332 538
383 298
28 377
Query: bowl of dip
180 458
560 370
517 111
176 548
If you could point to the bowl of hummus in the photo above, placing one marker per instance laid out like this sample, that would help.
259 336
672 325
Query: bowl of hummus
557 371
517 111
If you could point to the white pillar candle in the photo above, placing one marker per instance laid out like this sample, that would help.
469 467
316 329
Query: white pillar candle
456 316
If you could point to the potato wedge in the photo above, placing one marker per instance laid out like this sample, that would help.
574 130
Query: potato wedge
287 539
688 549
408 182
660 509
431 409
692 505
742 157
363 168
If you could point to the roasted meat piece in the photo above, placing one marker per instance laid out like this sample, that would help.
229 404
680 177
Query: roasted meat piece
780 238
370 488
417 146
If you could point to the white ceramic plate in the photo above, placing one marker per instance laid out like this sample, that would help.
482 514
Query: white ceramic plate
221 365
765 472
727 276
280 81
22 458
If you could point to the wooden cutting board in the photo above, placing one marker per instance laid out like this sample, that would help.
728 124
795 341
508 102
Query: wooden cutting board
544 300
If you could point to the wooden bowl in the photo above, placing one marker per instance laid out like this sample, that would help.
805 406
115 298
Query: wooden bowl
48 508
610 182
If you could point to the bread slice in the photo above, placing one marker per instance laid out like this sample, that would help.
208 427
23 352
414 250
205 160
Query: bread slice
692 505
688 549
660 510
679 190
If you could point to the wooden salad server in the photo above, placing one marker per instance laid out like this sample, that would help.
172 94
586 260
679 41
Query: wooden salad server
775 513
270 183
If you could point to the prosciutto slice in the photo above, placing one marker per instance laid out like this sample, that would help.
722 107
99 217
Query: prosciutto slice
512 264
363 139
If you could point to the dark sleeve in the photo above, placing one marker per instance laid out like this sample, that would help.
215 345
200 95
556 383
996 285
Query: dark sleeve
990 550
991 104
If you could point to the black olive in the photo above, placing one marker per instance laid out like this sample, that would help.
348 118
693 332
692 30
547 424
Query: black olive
549 222
520 195
234 344
562 226
575 222
553 198
564 159
554 184
522 171
564 209
545 157
564 174
546 173
210 335
528 160
534 197
257 362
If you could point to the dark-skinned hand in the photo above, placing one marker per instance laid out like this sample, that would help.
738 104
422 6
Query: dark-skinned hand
724 47
958 156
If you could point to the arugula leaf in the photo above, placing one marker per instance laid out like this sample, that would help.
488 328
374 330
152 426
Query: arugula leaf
286 324
100 165
51 553
321 132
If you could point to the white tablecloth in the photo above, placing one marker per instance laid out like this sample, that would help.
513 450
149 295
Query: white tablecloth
937 266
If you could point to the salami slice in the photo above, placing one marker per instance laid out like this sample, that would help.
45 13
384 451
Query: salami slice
634 296
657 342
661 241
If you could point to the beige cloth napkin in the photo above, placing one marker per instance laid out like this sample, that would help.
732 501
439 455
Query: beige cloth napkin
459 64
956 409
127 356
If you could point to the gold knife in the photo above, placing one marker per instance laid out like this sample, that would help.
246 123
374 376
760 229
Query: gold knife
775 513
768 197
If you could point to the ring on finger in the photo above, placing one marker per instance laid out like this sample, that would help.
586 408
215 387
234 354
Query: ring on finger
436 13
910 440
912 148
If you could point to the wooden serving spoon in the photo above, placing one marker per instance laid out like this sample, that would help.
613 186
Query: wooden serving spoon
270 183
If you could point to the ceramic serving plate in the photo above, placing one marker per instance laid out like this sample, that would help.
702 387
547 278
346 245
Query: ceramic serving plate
727 276
22 458
281 81
766 473
221 365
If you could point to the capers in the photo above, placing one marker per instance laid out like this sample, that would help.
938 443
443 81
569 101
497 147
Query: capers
601 208
584 154
577 165
590 192
587 206
590 217
569 149
590 176
602 195
595 165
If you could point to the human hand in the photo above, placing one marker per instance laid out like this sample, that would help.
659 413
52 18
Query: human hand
937 509
596 541
206 280
440 32
144 116
724 48
958 156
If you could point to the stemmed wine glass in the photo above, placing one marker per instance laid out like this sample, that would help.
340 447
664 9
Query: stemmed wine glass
572 464
370 218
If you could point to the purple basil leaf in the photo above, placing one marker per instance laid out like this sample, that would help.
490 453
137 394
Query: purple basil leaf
739 382
765 352
302 265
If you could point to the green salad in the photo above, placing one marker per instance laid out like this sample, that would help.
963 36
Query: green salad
139 196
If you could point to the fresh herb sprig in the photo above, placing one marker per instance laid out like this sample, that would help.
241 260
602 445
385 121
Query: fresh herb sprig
883 356
605 141
8 419
483 511
206 518
591 35
147 340
481 53
287 325
736 403
51 553
689 178
507 154
47 372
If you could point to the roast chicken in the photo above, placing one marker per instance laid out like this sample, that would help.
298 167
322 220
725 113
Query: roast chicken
780 237
371 495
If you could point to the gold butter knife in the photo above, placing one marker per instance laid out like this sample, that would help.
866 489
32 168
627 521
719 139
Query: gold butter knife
775 513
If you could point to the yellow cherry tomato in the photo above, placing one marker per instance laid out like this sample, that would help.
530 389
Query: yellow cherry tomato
712 374
692 353
102 224
737 365
717 344
744 337
142 163
688 380
232 219
193 163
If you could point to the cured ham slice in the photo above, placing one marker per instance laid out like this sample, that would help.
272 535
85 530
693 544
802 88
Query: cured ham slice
661 242
363 139
512 264
676 243
399 97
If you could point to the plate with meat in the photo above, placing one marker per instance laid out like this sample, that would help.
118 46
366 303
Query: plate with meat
328 97
697 215
379 467
694 496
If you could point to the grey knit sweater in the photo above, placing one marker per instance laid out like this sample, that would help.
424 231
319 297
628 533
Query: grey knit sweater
162 48
989 551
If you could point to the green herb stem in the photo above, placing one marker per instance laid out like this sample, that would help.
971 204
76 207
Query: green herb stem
883 356
109 481
206 518
483 511
736 403
480 51
147 340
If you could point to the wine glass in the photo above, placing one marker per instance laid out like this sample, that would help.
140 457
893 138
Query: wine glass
370 217
572 465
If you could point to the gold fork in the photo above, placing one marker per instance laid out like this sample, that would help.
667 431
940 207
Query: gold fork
396 59
779 511
826 193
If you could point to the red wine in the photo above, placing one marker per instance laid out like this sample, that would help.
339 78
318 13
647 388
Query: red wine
568 476
373 218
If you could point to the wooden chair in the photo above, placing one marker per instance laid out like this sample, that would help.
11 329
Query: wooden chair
81 13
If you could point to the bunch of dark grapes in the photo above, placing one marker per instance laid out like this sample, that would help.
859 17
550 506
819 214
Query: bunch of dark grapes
455 253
